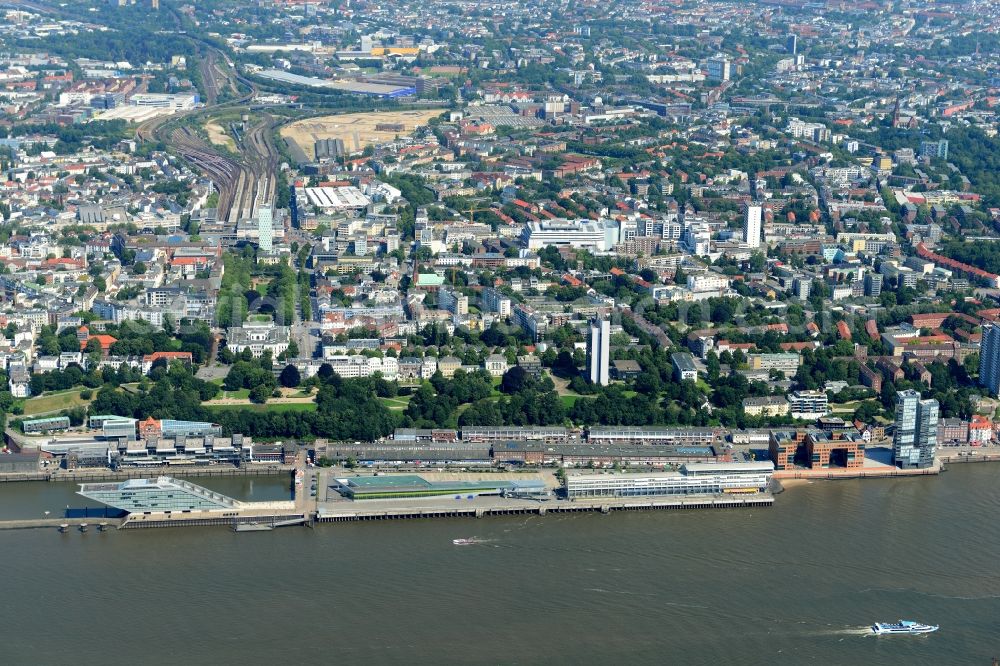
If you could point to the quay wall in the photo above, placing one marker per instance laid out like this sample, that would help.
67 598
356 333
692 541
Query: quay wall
141 522
952 459
358 512
862 473
88 476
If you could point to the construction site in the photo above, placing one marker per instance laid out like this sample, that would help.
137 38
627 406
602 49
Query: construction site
355 130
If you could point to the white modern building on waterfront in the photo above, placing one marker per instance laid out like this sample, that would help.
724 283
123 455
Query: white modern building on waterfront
915 440
808 404
693 479
989 359
162 494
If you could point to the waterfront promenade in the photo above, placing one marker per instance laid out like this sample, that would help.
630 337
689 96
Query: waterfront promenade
316 500
94 475
877 471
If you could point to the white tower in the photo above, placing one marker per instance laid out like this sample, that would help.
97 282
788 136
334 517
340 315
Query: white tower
989 359
599 351
751 226
265 227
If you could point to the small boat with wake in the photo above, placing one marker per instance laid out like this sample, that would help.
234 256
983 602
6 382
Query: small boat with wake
907 627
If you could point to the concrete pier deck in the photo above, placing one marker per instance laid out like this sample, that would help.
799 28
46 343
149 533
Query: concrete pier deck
346 511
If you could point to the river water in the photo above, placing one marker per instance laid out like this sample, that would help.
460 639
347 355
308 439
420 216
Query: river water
793 584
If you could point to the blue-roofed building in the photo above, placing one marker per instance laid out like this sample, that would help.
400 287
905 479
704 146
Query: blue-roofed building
145 256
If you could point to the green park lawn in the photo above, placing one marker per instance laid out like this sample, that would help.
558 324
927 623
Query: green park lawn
53 402
398 403
569 399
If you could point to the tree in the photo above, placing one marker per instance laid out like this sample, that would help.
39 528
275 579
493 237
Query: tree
236 378
93 346
260 393
515 380
290 377
139 268
712 365
867 411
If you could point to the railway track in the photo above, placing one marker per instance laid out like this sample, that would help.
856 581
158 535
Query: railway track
243 184
223 171
257 183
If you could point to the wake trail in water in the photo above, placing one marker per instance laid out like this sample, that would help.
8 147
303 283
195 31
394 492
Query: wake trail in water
933 595
849 631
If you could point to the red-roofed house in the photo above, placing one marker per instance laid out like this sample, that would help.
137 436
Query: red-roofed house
149 359
871 327
797 346
149 428
84 336
980 430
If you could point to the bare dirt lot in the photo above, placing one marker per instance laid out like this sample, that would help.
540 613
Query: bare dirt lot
357 130
218 136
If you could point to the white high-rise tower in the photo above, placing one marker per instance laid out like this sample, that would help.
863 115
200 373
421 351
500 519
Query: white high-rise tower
265 227
915 439
989 359
751 226
599 351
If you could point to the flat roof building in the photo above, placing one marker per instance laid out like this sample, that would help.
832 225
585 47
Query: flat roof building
600 455
403 486
834 449
113 426
652 435
512 433
45 425
599 236
684 367
808 404
693 479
